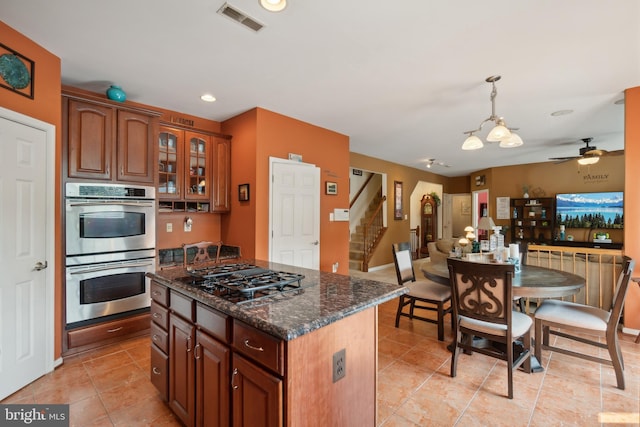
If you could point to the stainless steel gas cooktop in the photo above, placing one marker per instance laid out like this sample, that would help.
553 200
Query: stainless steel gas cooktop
242 282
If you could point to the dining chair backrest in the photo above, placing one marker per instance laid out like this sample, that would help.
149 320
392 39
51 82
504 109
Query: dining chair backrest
621 292
482 291
403 263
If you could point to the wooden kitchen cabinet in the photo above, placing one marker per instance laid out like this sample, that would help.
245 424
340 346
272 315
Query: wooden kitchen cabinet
212 381
182 369
221 195
257 396
108 142
193 171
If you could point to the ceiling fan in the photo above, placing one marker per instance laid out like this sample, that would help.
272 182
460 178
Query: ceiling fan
589 154
431 162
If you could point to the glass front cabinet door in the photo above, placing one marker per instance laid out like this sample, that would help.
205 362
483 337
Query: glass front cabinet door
170 164
198 147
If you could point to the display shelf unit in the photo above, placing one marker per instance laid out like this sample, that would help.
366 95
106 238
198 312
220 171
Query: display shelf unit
182 206
532 220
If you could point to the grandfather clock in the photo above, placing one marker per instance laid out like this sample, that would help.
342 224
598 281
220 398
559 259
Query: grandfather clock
428 222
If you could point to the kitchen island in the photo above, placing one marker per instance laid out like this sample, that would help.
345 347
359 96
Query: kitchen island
306 358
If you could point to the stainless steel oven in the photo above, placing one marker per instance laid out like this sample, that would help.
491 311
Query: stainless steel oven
103 218
108 288
110 246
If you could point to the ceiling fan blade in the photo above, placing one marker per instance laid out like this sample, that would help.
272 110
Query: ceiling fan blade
564 159
614 153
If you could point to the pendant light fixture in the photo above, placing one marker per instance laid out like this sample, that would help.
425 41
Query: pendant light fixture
500 132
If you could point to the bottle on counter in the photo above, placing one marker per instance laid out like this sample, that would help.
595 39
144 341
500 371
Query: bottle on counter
562 235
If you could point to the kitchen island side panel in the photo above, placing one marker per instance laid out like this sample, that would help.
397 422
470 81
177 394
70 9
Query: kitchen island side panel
312 398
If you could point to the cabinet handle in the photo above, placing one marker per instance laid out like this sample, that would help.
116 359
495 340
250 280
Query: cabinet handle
156 337
233 379
246 344
157 316
156 371
195 351
122 170
114 329
188 344
155 293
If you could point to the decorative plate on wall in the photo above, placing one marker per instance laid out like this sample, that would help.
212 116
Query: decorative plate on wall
16 71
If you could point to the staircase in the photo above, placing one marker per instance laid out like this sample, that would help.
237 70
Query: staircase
358 257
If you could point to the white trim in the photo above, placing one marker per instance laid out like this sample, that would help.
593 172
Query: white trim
50 131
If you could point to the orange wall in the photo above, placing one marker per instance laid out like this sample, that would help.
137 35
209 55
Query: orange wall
45 106
259 134
239 228
632 201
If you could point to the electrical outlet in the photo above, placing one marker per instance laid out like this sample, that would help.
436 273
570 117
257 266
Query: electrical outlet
339 364
169 227
335 267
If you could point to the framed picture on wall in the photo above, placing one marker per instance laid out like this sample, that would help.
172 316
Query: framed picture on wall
397 199
332 188
243 192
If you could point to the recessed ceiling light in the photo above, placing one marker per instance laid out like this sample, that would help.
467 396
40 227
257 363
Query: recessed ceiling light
561 113
207 97
273 5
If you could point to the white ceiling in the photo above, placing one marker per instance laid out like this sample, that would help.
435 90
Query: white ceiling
403 79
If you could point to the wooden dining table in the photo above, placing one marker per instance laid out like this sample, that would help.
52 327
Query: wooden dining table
530 282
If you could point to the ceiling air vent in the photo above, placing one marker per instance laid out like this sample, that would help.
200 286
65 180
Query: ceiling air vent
240 17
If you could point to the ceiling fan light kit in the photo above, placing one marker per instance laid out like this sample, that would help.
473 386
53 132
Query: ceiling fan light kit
500 132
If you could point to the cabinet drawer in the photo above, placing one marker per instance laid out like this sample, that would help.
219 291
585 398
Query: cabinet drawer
159 337
214 323
259 346
182 305
108 331
160 315
160 372
160 294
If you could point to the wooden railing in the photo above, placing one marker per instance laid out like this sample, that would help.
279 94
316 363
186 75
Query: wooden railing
362 187
599 267
372 233
414 239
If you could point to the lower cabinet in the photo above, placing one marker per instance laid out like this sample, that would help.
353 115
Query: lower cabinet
212 381
181 369
223 372
256 396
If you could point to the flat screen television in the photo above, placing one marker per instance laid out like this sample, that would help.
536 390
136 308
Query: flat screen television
590 210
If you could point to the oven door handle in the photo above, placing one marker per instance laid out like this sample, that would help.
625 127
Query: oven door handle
112 203
111 266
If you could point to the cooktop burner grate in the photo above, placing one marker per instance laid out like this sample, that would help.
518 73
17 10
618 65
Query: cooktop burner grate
242 282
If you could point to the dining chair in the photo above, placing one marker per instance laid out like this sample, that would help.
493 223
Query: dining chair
483 308
573 321
423 294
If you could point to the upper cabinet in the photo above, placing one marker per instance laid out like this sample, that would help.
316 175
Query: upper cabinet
108 142
193 171
221 174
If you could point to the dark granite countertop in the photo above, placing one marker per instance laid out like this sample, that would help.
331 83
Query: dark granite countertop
327 298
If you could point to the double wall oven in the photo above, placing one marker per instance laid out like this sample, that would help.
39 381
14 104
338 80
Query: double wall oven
110 246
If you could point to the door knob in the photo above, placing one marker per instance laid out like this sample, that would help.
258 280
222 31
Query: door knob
315 243
40 266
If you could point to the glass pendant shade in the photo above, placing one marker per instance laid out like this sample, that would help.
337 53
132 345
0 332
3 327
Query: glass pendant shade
498 133
514 141
472 143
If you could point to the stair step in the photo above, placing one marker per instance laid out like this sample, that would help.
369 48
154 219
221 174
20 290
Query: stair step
355 265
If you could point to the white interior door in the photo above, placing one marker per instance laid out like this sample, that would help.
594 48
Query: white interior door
295 214
26 287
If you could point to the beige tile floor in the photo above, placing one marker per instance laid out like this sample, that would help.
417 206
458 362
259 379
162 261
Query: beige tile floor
111 387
